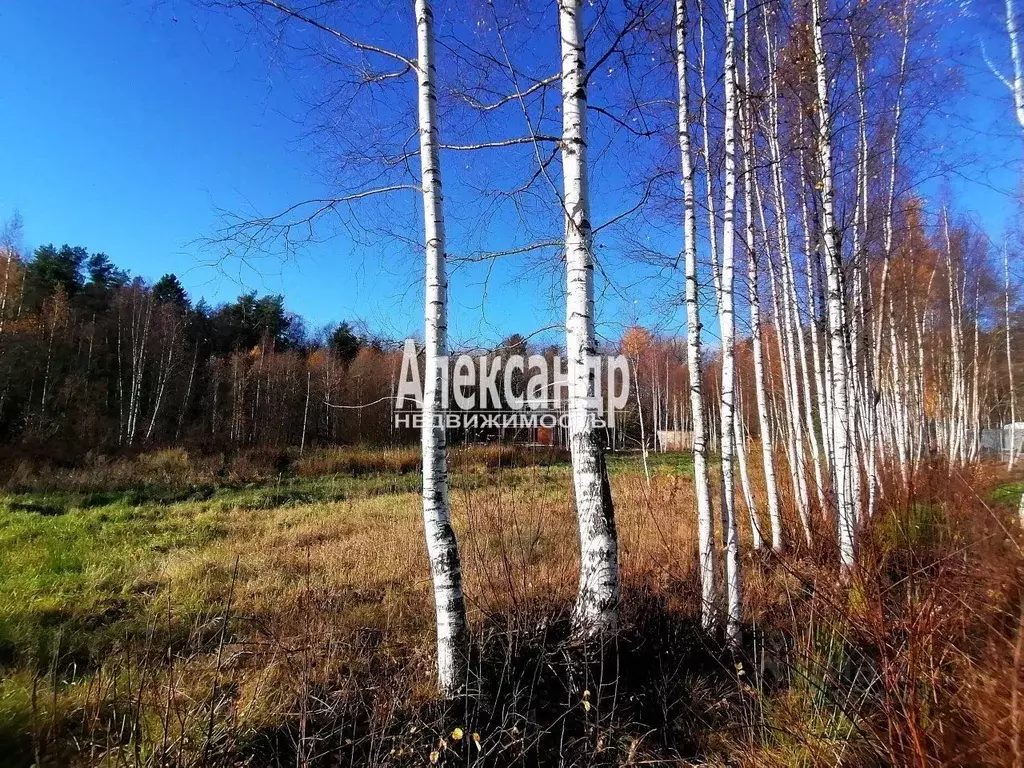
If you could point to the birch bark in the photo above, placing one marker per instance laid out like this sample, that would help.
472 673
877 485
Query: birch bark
846 510
705 524
727 330
1017 86
767 456
597 602
442 547
783 323
1009 361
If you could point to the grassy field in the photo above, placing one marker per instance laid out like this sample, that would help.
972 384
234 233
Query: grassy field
176 611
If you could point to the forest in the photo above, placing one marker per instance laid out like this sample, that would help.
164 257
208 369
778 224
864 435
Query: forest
803 542
96 361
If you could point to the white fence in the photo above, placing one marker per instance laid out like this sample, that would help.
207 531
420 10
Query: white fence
999 440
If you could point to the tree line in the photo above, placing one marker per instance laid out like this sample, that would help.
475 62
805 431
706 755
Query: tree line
94 359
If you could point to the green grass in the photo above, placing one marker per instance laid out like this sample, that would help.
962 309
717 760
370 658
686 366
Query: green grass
1008 493
84 573
75 564
917 528
657 463
68 573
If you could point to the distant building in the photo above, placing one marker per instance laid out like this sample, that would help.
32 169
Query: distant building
1000 440
675 440
546 436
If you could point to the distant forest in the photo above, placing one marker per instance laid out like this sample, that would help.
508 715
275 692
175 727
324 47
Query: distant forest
94 361
92 358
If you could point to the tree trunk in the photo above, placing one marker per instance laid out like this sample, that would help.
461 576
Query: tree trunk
597 602
767 455
727 324
1017 86
442 547
1009 362
846 509
705 524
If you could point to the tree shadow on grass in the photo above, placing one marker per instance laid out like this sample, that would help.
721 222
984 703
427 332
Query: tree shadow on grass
537 695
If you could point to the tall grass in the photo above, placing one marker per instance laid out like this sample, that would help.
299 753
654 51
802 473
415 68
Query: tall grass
288 621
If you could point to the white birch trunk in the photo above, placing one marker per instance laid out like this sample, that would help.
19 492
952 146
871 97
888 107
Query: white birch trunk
7 281
898 380
869 421
163 375
640 417
846 509
783 323
1009 361
709 189
728 333
740 435
801 347
1017 86
975 376
597 602
705 524
188 392
957 409
442 547
767 455
305 410
749 180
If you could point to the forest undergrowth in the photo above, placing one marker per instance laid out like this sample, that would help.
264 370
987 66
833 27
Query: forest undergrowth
276 610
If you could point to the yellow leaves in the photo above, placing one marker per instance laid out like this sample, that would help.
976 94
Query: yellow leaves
636 341
318 359
586 701
457 734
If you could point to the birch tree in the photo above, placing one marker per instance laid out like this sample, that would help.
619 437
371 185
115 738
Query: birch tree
846 510
445 564
727 330
1015 81
754 299
783 310
1009 361
702 490
597 602
370 70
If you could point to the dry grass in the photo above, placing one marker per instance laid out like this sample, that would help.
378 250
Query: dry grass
301 632
172 468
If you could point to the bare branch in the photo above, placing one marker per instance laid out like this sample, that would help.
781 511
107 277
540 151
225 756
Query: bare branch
410 64
489 255
510 97
500 143
992 66
620 122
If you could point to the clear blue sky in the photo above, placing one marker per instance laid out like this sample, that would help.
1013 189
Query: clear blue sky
126 125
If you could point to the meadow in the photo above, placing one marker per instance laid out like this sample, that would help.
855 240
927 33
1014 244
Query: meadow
169 609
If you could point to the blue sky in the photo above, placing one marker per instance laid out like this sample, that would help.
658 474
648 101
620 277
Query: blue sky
127 125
